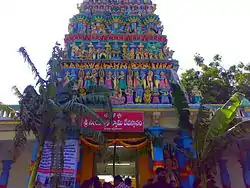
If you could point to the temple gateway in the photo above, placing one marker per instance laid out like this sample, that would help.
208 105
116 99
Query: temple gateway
119 44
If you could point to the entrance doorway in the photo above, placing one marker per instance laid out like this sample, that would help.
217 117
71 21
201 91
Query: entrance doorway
125 164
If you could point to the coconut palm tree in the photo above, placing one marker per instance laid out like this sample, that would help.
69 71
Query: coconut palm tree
211 133
55 110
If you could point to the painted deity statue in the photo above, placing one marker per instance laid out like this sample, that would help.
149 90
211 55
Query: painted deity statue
161 54
84 27
150 83
67 78
101 78
117 98
130 79
100 28
115 79
116 51
163 81
147 96
122 81
155 94
79 26
157 78
138 93
87 80
137 54
124 50
93 29
80 78
150 54
143 79
108 80
141 51
73 74
164 96
90 51
128 28
129 96
132 53
108 50
196 95
74 51
146 54
137 80
94 76
82 53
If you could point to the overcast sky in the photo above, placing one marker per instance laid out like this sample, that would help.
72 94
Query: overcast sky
204 26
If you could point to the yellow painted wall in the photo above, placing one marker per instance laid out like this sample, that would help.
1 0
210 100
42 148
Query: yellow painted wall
144 169
20 169
87 169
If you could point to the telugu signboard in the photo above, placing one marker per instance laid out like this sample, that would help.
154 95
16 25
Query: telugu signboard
122 122
45 172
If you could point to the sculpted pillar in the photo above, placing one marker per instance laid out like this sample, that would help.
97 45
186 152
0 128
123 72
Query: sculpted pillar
5 173
156 146
184 142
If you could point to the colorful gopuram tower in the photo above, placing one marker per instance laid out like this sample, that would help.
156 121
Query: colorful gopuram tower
119 44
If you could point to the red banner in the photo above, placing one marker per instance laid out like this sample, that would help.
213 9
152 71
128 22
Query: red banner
122 122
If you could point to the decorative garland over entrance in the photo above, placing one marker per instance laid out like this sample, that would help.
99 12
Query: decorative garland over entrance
132 143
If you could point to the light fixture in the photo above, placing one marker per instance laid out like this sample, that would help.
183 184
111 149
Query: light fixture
116 146
118 164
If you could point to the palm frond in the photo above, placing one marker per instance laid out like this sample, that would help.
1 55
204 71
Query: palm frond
95 89
97 136
54 63
27 59
82 110
200 129
17 92
93 100
179 98
98 101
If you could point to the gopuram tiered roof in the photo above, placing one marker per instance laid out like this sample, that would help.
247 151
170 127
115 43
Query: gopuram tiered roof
119 44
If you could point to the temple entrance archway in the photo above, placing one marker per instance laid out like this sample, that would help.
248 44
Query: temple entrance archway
125 164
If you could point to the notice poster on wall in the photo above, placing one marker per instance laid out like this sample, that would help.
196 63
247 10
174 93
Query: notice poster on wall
45 172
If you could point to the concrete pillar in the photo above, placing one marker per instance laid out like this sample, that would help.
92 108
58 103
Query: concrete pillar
184 141
33 158
157 150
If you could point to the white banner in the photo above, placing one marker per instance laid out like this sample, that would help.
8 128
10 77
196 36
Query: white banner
45 173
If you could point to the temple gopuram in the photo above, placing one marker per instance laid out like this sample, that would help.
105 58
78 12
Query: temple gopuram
119 44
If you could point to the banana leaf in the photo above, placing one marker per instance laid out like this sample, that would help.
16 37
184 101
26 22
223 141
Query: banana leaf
220 120
220 143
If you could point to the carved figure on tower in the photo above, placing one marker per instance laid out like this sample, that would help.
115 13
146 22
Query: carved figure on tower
150 83
120 46
108 80
87 80
122 81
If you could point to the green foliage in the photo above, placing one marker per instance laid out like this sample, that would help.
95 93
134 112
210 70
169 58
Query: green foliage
217 124
208 130
56 110
181 104
216 83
